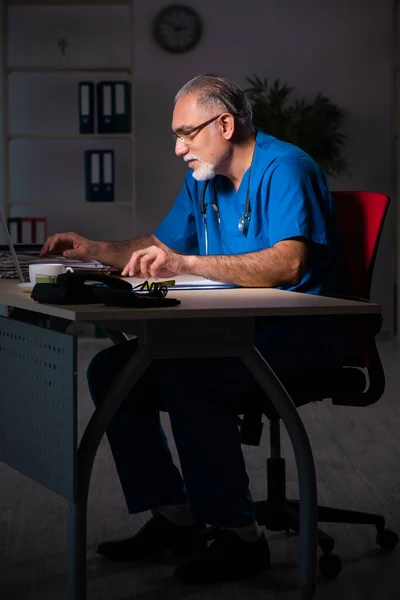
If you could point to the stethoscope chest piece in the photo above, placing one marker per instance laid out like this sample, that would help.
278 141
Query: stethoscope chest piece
244 223
244 220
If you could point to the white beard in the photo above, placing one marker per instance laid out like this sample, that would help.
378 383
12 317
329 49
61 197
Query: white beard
204 172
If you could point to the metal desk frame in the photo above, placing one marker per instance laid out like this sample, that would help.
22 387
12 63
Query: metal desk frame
162 336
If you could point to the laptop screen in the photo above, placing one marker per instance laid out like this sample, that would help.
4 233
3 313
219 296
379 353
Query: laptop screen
14 257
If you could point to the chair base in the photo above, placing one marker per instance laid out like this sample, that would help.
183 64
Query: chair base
277 513
285 517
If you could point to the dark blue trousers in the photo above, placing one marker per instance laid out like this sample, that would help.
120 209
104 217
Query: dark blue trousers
199 395
205 429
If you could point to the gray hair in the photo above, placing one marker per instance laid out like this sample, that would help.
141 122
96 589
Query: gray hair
221 93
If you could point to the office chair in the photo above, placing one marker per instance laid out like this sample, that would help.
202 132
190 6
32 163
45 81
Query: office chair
360 216
359 382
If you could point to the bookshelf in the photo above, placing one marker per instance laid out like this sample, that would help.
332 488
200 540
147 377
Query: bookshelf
72 136
65 69
66 2
42 152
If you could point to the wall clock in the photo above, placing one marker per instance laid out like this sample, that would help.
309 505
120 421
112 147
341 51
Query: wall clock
177 28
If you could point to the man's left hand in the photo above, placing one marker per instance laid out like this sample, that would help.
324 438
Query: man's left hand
155 262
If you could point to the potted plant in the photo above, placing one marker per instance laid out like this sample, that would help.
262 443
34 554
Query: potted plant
313 126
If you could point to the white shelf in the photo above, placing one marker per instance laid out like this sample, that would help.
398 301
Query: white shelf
66 69
114 218
74 205
70 136
65 2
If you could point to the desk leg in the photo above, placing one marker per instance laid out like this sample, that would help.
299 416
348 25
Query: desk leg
77 550
97 426
305 467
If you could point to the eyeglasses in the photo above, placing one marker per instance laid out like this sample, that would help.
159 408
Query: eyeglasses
185 135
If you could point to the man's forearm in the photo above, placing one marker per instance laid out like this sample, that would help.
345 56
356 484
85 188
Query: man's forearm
117 254
267 268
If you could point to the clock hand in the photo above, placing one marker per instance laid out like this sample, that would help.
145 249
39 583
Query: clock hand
172 24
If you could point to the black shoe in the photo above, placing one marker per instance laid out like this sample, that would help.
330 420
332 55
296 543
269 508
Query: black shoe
154 538
228 557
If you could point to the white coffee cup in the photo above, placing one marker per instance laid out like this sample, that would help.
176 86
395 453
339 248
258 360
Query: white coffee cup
46 270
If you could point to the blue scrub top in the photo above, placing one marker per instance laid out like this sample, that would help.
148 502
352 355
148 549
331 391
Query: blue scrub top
289 197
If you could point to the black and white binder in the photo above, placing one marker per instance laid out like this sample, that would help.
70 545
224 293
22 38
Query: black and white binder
105 107
114 107
86 107
99 175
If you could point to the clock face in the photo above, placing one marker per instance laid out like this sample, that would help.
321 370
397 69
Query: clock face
177 28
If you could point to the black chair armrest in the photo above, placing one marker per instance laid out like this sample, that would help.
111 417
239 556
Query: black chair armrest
350 390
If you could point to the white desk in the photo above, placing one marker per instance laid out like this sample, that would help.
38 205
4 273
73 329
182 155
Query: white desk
207 323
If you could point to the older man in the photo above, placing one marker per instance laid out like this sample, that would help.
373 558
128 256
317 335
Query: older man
253 211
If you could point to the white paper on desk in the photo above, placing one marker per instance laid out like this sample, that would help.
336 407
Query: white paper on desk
201 284
187 282
69 262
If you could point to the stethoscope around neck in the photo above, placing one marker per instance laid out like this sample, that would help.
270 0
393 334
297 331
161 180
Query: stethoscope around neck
244 219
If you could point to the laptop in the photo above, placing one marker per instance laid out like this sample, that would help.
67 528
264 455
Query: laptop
14 257
91 266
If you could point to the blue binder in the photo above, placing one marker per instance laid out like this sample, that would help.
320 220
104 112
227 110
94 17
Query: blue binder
107 175
105 107
114 107
86 107
15 229
99 175
122 96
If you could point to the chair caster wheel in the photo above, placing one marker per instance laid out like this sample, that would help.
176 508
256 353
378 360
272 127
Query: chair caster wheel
387 539
329 565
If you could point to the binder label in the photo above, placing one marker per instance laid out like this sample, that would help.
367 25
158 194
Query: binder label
107 101
84 100
120 99
95 173
107 167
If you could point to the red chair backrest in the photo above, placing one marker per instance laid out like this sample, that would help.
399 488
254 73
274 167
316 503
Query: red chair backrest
360 216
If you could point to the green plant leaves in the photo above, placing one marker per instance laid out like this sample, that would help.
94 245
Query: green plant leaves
313 126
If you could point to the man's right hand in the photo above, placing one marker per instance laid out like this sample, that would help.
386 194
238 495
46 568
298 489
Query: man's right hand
70 245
